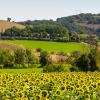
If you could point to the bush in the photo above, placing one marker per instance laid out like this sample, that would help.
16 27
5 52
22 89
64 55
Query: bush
44 59
70 60
76 54
6 58
87 62
38 50
20 56
53 68
29 57
62 53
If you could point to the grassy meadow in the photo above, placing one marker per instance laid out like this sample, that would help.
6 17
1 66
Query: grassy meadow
24 70
51 46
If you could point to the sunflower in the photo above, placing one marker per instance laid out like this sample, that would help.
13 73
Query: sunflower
44 93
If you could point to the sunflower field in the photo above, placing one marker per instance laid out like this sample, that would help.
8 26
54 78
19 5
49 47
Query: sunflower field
50 86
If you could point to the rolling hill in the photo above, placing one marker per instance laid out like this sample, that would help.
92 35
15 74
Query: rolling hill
88 23
84 22
5 25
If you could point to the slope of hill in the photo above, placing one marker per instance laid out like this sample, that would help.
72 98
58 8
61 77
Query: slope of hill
86 23
5 25
89 23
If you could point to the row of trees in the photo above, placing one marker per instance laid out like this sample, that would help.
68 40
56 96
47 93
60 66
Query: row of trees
15 58
42 31
20 58
49 33
39 31
25 58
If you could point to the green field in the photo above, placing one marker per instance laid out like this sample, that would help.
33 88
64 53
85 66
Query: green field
26 70
51 46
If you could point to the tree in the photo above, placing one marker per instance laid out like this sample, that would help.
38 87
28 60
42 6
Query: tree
87 62
44 58
20 56
8 19
29 57
83 62
98 55
6 58
13 32
93 64
1 57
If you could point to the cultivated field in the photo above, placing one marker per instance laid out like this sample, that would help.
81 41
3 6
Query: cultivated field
50 86
51 46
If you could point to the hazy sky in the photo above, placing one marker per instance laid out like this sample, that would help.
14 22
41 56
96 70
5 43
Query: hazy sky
46 9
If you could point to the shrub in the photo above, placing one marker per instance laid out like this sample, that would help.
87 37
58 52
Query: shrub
87 62
76 54
29 57
54 68
20 56
38 50
6 58
70 60
44 60
53 52
62 53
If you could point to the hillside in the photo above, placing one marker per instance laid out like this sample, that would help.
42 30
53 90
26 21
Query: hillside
87 23
63 29
5 25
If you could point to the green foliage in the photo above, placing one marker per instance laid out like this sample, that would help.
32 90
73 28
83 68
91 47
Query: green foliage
83 62
87 62
44 60
29 57
97 51
2 57
76 54
12 32
20 56
59 68
6 58
72 22
54 68
38 49
63 29
41 31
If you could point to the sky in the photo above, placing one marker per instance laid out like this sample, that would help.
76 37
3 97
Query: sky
21 10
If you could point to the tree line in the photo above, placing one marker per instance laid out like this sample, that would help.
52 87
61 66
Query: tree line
50 32
24 58
11 59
